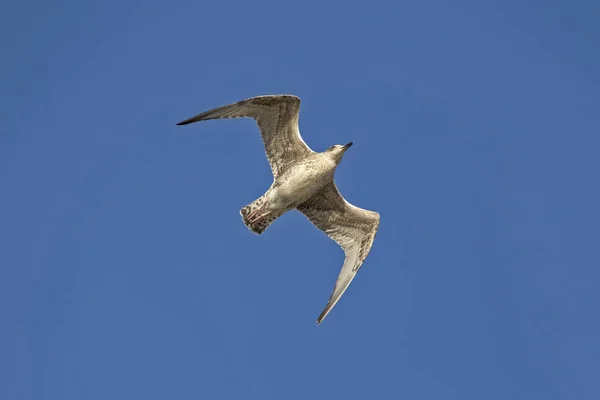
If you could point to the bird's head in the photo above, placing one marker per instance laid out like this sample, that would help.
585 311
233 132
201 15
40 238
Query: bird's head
337 151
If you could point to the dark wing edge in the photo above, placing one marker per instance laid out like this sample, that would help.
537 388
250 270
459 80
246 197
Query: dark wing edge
353 228
250 107
277 118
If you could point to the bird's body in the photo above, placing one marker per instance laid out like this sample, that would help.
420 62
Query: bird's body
303 180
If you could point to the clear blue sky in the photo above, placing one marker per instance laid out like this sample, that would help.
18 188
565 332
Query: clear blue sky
126 271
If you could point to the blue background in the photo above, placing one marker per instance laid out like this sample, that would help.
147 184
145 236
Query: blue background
126 271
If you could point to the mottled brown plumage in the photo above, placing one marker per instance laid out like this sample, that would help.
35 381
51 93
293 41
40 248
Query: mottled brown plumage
303 180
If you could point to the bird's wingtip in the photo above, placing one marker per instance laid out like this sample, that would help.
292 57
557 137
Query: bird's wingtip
323 315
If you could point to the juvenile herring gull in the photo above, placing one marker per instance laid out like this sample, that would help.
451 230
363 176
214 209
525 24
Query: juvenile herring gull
303 180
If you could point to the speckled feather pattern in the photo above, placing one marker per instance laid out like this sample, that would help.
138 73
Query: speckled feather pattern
292 161
346 224
277 119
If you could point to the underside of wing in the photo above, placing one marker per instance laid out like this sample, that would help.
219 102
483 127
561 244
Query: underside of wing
277 119
344 279
351 227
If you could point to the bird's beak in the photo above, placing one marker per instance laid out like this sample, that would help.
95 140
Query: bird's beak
347 146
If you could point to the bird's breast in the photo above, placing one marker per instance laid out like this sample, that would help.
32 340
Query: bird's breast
299 184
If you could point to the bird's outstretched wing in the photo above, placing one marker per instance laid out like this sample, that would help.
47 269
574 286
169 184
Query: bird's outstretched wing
277 119
351 227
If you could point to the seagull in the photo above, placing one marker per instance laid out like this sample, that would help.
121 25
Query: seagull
302 180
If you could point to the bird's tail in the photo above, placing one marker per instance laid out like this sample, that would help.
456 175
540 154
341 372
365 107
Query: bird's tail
257 217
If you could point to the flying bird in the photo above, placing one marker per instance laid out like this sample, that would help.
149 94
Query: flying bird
303 180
